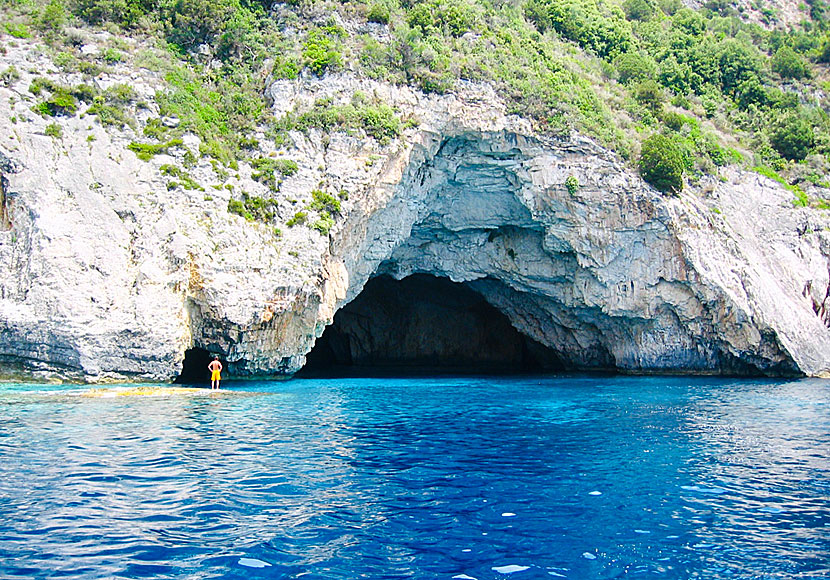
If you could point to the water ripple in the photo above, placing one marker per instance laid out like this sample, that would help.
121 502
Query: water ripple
570 477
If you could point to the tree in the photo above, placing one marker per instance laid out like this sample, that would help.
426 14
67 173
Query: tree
650 95
749 92
193 22
789 64
661 164
635 66
638 9
824 51
792 137
738 62
123 12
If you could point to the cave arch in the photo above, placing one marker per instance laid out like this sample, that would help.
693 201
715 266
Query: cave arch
424 324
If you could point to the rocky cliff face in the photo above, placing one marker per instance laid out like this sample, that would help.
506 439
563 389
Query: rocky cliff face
108 274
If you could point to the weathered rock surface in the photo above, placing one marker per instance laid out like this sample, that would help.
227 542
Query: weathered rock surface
109 275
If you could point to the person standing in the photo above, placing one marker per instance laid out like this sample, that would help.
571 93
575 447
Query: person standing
215 368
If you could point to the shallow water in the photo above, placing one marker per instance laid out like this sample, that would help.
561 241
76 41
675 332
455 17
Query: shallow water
519 478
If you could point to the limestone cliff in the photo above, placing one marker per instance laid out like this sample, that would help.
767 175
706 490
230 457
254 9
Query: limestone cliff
109 273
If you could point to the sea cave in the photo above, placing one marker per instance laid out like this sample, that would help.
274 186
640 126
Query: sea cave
424 324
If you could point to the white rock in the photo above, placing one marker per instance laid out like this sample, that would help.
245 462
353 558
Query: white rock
110 274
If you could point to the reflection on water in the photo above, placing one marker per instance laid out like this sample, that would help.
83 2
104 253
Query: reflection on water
566 477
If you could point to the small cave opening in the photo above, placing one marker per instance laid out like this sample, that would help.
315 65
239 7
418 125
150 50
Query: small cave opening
423 324
195 367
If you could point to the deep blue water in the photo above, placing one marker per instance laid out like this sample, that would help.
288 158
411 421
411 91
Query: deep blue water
485 478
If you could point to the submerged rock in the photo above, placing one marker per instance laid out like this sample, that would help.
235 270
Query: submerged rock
109 274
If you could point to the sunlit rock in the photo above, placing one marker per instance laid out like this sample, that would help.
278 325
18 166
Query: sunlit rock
108 274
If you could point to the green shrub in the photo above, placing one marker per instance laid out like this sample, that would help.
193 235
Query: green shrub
737 62
635 67
421 18
638 9
783 100
378 121
254 208
719 156
299 219
218 149
121 94
61 103
146 151
572 184
751 92
670 7
155 129
85 93
112 56
265 170
123 12
193 22
41 109
52 18
324 202
792 136
594 26
676 76
824 52
676 121
379 13
237 207
18 30
688 21
9 76
324 223
649 94
661 164
90 68
322 51
801 199
109 114
454 17
245 37
185 180
66 62
788 64
286 167
53 130
285 68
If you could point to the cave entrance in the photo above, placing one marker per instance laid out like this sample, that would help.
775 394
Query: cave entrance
422 325
194 367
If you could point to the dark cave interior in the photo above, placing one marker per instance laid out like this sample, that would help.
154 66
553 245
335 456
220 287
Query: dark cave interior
194 367
423 324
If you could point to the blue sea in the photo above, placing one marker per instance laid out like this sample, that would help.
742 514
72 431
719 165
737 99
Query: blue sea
427 478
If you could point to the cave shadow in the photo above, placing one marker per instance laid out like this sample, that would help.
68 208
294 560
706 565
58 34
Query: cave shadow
424 325
194 368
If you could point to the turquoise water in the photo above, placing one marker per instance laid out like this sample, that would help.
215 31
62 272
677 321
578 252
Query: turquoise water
485 478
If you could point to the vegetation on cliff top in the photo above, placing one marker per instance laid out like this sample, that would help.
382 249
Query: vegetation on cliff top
710 87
